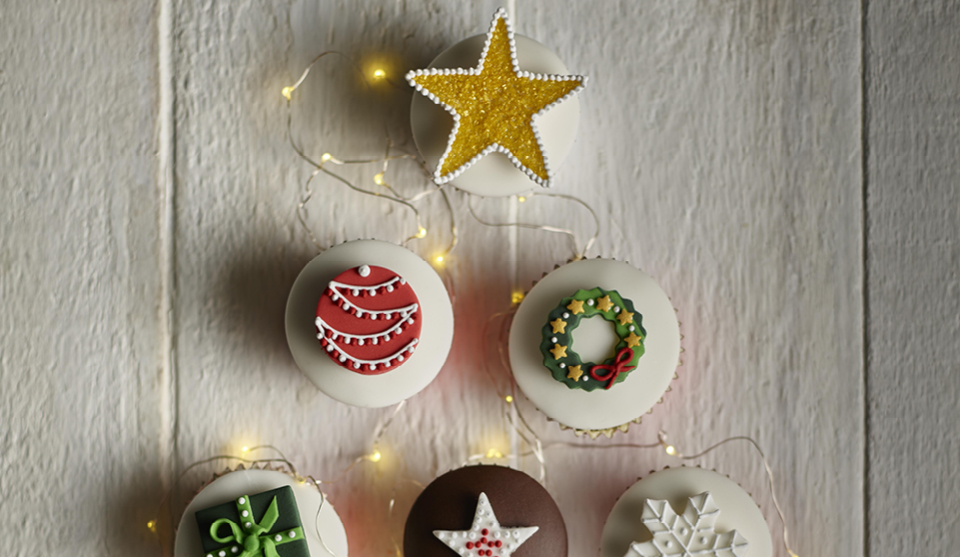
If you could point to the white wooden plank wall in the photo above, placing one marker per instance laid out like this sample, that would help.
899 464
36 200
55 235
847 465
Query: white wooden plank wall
788 171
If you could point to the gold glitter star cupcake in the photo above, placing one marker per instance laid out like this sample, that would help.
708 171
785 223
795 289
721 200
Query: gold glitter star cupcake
495 107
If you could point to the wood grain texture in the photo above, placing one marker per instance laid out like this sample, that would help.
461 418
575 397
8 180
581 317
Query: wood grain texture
721 144
79 419
721 141
913 232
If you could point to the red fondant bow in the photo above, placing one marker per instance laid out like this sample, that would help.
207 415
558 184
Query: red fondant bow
619 365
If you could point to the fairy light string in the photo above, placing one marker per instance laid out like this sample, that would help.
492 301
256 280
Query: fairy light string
512 412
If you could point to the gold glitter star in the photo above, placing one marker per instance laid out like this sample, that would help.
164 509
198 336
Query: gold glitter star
559 326
558 351
573 372
576 306
495 106
604 304
625 317
632 340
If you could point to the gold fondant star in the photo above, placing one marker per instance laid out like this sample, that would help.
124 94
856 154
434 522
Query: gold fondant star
573 372
558 351
632 340
576 306
559 326
494 106
604 304
625 317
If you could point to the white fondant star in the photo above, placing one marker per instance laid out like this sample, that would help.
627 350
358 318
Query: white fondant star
689 534
486 536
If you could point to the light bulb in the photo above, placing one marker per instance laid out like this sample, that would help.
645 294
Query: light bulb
379 73
245 449
421 232
516 297
286 91
376 456
378 178
494 453
508 398
521 199
326 157
152 525
671 450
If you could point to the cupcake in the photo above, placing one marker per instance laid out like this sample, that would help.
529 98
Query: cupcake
626 352
496 114
369 322
686 511
260 512
485 511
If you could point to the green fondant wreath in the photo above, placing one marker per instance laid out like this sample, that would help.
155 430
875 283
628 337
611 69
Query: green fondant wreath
557 342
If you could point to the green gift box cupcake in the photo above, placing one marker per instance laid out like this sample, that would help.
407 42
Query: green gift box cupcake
260 525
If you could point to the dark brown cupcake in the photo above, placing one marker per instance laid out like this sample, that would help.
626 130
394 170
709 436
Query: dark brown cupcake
450 502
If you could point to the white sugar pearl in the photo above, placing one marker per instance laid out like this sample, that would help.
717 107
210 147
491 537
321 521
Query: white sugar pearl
563 365
222 554
566 315
616 309
342 358
389 288
683 531
245 514
246 525
364 270
356 365
242 501
235 549
631 328
278 538
441 535
356 292
668 543
473 535
589 302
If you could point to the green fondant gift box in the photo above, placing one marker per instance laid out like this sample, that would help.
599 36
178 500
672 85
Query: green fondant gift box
258 525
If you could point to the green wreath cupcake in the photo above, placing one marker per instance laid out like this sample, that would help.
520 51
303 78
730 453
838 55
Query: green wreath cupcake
557 347
594 345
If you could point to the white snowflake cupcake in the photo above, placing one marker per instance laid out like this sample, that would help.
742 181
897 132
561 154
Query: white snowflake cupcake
686 511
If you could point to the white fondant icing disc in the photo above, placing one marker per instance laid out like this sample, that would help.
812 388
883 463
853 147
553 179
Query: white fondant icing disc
626 401
494 175
370 391
250 482
737 510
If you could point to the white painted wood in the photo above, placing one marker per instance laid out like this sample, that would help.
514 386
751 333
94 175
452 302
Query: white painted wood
913 234
722 144
720 141
79 278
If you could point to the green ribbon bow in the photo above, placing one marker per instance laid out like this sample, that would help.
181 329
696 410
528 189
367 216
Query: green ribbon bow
252 539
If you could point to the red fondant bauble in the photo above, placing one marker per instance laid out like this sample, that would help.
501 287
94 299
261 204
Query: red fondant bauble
369 320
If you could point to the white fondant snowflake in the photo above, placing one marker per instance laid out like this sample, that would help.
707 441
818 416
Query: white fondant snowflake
689 534
486 536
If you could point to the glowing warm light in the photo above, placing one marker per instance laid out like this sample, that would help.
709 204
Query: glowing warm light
516 297
508 398
422 232
326 157
521 199
671 450
379 73
494 453
378 179
376 456
438 259
286 92
152 525
245 449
